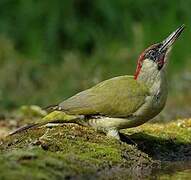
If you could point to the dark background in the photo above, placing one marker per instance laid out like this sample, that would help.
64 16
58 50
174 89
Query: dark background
50 50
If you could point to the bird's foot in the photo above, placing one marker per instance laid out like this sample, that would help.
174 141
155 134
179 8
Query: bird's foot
114 133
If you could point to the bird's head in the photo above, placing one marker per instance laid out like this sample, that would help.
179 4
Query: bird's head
154 58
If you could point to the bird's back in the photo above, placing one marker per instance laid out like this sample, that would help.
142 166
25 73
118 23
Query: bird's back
116 97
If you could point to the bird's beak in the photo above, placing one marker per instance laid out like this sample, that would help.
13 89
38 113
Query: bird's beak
169 41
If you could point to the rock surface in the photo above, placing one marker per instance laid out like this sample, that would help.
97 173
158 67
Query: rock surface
75 152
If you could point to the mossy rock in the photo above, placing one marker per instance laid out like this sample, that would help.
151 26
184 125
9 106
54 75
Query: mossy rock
70 151
75 152
164 142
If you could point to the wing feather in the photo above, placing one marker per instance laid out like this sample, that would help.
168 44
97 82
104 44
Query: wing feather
116 97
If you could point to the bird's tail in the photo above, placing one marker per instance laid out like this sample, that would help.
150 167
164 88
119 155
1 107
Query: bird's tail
53 117
24 128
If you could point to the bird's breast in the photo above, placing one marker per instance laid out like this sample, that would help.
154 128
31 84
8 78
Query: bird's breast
153 104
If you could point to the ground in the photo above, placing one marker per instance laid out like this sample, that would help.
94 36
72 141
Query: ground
75 152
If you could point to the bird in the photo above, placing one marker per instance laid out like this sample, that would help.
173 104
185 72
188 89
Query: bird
120 102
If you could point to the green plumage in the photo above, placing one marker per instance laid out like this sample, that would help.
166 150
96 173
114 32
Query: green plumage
53 117
116 97
122 102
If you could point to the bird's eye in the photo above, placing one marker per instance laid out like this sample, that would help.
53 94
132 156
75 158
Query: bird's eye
151 54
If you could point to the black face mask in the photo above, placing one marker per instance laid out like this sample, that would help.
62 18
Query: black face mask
156 56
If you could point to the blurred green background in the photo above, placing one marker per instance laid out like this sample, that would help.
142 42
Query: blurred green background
50 50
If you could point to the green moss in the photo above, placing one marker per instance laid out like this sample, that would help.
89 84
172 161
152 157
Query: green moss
165 142
73 151
39 164
68 151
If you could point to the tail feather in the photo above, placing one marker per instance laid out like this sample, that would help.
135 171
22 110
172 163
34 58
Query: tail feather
53 117
24 128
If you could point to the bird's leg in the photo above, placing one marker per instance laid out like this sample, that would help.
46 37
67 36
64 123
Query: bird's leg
111 126
112 132
110 123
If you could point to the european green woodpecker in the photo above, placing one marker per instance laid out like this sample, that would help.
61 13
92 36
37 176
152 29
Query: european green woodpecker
121 102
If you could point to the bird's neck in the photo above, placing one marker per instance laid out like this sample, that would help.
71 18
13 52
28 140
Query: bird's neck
151 76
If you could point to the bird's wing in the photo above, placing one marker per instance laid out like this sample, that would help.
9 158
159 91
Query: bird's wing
116 97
